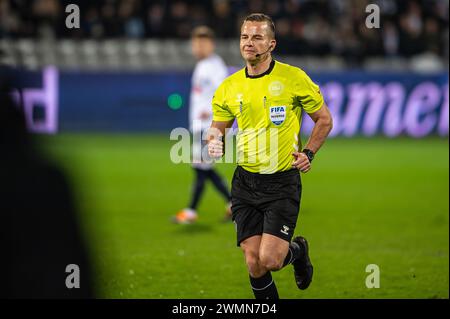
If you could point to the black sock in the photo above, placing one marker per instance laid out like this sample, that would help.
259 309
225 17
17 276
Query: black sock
294 252
198 188
264 287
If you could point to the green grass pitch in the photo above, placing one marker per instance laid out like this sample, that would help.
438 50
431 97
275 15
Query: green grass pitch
366 201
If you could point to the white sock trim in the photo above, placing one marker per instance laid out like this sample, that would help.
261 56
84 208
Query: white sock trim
292 256
271 282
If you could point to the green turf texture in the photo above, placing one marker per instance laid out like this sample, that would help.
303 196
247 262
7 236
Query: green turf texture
366 201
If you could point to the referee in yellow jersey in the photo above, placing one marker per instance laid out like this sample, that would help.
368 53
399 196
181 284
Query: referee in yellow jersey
267 98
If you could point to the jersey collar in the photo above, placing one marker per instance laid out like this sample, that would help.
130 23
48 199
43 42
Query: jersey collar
272 64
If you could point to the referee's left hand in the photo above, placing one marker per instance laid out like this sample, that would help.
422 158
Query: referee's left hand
301 162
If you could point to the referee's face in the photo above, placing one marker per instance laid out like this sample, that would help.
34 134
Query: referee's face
255 39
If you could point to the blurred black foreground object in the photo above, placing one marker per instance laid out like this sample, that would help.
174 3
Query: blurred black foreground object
39 232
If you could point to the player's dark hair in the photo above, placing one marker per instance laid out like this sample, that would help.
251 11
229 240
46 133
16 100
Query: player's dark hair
261 17
202 32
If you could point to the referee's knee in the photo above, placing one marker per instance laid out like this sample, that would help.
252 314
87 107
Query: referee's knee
270 262
255 268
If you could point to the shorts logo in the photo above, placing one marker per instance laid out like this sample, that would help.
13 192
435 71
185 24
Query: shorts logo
285 230
277 114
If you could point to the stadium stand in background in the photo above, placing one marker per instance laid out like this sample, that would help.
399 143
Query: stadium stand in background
140 34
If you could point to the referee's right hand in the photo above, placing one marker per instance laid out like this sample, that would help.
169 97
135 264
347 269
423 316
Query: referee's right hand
301 162
215 148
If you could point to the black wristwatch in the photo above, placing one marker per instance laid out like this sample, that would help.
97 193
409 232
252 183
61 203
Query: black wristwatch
309 153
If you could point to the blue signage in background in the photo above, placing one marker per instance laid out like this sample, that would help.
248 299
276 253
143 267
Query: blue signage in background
123 101
362 103
389 104
37 94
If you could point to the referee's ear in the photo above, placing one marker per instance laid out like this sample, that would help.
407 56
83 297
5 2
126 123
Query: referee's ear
273 44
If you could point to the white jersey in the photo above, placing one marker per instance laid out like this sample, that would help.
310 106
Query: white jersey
208 75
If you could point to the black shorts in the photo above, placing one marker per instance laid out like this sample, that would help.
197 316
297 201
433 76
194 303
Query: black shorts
265 203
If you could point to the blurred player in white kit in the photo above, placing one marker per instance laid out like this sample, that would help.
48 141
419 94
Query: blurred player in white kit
209 72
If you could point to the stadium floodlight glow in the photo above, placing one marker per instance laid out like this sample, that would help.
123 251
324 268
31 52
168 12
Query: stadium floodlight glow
175 101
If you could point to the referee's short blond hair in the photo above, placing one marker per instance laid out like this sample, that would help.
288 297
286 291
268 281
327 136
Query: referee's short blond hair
261 17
